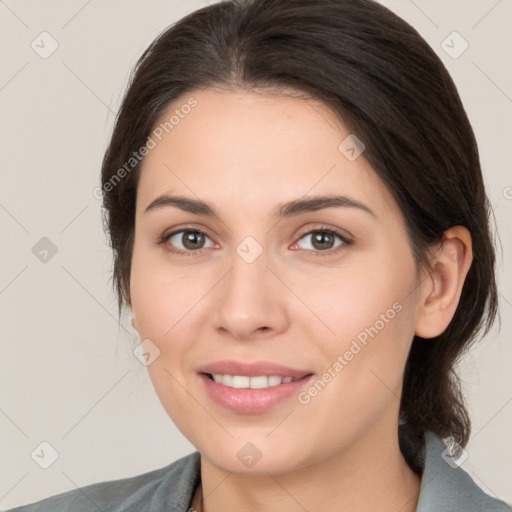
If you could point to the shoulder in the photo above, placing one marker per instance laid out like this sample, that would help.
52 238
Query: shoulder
167 488
446 486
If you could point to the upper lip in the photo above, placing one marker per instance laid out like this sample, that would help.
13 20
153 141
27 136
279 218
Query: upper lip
251 369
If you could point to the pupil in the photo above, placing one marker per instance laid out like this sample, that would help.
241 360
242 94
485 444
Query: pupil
192 238
321 238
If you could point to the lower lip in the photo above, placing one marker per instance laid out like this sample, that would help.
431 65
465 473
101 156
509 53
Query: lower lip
252 401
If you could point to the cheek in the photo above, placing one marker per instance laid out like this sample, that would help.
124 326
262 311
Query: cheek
163 305
163 296
368 317
364 359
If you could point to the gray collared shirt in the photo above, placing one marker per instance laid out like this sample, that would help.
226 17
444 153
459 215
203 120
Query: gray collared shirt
444 488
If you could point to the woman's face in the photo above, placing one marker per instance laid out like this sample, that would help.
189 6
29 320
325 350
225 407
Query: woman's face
260 287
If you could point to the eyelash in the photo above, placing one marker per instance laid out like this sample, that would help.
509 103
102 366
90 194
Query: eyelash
330 252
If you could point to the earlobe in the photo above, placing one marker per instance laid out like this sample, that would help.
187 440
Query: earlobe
441 290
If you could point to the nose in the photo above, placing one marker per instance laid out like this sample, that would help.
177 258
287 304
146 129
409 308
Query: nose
250 301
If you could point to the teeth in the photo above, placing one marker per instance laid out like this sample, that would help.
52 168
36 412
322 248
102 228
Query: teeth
245 382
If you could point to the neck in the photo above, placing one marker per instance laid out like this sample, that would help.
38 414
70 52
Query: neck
369 475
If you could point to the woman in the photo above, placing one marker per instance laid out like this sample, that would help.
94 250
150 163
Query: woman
299 223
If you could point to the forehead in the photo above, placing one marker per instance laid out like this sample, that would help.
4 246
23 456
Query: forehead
256 146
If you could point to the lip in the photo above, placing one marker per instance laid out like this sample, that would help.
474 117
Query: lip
265 368
252 401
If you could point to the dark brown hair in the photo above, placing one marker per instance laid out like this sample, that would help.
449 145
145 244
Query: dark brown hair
390 89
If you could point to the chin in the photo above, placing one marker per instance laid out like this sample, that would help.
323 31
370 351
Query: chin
254 459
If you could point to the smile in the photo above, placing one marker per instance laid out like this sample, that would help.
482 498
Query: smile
246 382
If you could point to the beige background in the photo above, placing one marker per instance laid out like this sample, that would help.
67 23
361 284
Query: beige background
67 373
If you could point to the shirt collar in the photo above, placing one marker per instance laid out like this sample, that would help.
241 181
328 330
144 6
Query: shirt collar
445 486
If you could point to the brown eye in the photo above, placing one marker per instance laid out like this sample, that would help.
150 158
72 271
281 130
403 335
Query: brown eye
323 240
186 240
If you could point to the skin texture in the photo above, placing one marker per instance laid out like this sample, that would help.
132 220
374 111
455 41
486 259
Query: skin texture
244 153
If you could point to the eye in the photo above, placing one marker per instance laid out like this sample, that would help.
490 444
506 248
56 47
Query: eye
191 241
322 240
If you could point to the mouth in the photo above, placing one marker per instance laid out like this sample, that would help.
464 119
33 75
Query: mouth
255 394
252 382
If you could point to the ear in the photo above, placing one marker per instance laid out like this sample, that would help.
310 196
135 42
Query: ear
441 290
134 323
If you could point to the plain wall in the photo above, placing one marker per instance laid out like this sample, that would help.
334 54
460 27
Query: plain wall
68 375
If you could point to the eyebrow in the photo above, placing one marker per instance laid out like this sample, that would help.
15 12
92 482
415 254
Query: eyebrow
284 210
